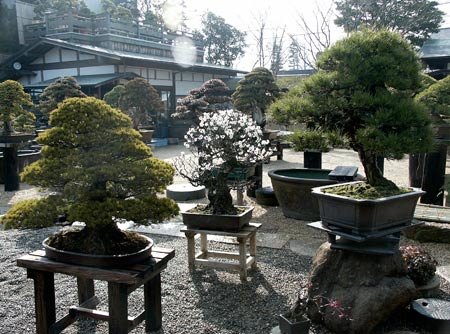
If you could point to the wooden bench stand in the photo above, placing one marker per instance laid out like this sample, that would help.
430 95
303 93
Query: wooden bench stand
121 282
203 258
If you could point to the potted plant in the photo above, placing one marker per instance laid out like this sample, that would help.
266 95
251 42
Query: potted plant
14 101
101 172
312 142
374 110
224 145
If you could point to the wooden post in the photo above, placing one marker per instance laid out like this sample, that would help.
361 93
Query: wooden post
242 258
253 248
191 249
204 244
118 308
44 299
86 289
152 300
11 168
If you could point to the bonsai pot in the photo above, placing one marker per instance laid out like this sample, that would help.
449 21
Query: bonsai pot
290 326
293 187
231 223
98 260
146 135
364 216
312 159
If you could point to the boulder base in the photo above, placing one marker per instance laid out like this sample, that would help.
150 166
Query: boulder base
367 289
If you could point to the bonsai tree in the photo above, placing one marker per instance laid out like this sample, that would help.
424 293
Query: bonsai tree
436 97
255 92
113 96
364 88
140 101
213 95
61 89
102 172
13 99
223 142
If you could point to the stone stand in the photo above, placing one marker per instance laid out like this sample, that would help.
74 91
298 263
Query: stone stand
368 288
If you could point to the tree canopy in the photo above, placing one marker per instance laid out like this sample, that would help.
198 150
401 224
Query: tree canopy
223 42
413 19
141 101
364 89
13 99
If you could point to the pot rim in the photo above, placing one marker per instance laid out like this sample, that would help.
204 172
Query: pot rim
272 174
247 208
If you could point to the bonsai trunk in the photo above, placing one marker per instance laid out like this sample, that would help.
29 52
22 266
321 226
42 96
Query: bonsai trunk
373 173
220 200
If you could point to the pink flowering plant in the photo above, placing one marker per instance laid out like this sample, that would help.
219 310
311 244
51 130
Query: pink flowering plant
224 145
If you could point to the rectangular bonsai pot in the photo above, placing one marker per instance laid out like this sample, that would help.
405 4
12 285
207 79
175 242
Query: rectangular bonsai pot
364 216
232 223
288 327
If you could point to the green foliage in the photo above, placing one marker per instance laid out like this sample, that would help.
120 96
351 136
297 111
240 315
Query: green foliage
223 42
113 96
141 101
284 110
437 100
60 7
414 19
310 140
364 89
99 165
257 90
421 265
33 213
213 95
13 99
61 89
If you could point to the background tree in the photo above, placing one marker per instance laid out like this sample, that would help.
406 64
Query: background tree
413 19
60 7
13 100
373 108
57 92
141 101
223 42
255 92
278 57
213 95
113 96
102 171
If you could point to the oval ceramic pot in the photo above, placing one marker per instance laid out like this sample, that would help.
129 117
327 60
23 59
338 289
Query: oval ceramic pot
292 188
366 216
232 223
98 260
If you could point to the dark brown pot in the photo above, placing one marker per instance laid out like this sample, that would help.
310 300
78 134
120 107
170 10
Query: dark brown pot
98 260
292 189
232 223
364 216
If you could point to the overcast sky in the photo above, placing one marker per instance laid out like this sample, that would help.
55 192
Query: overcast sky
244 15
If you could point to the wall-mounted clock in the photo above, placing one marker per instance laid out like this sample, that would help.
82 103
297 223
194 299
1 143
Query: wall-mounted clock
17 66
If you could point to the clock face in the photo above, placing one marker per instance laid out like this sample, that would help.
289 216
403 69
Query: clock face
17 66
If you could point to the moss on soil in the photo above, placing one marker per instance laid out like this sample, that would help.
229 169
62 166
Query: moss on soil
364 190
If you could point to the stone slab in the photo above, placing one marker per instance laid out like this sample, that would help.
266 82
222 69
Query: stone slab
185 192
305 247
444 272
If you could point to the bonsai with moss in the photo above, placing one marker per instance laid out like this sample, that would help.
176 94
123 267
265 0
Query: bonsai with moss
364 88
101 172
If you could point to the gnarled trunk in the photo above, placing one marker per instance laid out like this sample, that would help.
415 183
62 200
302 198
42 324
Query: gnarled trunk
373 173
219 196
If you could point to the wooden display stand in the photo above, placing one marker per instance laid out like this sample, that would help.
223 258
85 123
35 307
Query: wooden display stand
202 258
121 282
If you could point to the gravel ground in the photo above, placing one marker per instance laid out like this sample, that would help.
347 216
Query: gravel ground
208 301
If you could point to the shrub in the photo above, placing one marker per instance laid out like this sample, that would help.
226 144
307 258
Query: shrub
310 140
32 213
421 265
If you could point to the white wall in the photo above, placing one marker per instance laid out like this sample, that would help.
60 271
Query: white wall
104 69
52 74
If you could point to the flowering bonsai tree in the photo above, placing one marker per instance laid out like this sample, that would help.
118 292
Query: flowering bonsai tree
222 142
364 89
101 171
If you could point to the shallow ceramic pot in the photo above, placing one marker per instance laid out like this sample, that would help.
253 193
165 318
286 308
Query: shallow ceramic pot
292 189
364 216
218 222
98 260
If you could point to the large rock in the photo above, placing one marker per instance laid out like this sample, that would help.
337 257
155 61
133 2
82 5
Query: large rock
368 289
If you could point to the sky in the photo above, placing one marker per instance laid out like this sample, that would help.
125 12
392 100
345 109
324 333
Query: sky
245 15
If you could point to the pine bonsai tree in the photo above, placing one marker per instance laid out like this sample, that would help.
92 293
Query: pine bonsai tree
113 96
255 92
102 171
364 88
437 100
58 91
141 101
213 95
12 100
